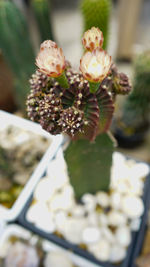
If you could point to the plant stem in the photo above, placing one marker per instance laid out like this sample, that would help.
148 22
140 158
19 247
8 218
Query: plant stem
94 87
62 80
89 164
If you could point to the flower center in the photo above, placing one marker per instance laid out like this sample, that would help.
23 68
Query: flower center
94 67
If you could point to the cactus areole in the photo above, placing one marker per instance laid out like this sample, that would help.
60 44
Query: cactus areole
81 105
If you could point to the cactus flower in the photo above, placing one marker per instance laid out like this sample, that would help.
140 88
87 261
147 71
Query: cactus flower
92 39
50 60
95 65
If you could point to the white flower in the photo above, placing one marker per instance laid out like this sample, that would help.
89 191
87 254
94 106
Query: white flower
50 60
92 39
95 65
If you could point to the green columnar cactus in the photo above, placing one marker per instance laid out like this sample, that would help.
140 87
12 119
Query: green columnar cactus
81 107
41 10
135 113
15 43
97 13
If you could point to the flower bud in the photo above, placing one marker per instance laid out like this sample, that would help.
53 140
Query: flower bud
50 60
92 39
95 65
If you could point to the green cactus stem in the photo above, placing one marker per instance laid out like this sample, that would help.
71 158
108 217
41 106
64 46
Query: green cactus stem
136 109
94 87
89 164
15 43
41 9
97 13
62 80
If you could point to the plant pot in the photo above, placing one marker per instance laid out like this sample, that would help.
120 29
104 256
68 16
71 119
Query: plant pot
131 140
8 120
136 235
17 233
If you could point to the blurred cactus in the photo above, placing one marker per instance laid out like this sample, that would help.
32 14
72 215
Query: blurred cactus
80 105
16 46
97 13
134 120
41 10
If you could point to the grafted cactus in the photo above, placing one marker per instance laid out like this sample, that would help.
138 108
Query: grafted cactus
41 10
97 13
81 105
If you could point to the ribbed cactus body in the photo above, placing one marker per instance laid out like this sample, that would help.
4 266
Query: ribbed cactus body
14 39
97 13
15 43
137 106
41 10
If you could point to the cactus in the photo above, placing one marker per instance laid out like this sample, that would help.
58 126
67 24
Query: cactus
97 13
135 112
80 105
15 43
41 10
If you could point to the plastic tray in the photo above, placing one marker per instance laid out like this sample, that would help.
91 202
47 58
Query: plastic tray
133 249
48 246
56 141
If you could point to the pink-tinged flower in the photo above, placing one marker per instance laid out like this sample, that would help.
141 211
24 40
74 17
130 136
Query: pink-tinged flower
50 60
48 44
95 65
92 39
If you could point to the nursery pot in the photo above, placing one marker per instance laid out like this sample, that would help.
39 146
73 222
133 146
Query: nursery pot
133 249
10 120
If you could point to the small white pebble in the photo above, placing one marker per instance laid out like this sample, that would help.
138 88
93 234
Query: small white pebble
140 170
102 199
101 250
132 206
60 220
44 190
116 218
63 200
117 254
78 211
107 233
123 236
135 224
36 211
103 220
89 202
115 200
57 259
92 219
73 229
91 235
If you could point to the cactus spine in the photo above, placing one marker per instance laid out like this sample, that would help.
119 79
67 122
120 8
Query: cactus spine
41 10
97 13
15 44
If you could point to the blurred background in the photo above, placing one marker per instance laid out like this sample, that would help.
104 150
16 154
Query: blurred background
24 24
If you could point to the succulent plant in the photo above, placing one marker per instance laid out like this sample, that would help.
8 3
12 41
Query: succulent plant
81 105
41 10
16 46
134 118
97 13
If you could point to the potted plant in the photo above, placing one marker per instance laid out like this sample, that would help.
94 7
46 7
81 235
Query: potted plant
22 161
81 105
132 124
19 246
